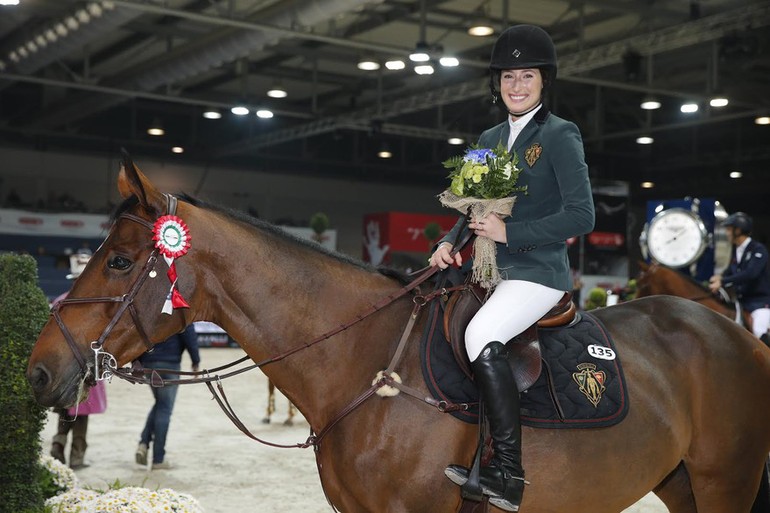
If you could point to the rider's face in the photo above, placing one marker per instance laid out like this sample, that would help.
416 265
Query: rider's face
521 89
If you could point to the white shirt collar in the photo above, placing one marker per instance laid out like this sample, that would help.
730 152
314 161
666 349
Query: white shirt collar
741 249
517 126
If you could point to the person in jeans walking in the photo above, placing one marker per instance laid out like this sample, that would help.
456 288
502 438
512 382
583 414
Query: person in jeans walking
166 355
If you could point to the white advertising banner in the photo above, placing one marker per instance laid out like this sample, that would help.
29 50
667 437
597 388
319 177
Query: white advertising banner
23 222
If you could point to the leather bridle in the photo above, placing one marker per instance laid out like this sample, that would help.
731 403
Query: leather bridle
104 363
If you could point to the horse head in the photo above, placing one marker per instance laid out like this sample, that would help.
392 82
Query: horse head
112 314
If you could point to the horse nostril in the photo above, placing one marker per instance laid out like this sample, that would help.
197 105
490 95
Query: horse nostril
39 378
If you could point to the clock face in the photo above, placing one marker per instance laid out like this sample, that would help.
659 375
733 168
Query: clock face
676 237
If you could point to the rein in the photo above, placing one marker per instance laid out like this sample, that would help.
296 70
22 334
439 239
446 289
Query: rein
105 364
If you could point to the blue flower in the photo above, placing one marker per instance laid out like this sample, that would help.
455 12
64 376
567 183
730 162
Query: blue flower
479 156
484 173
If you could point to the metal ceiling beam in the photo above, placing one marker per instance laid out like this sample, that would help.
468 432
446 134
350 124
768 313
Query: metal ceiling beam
686 34
132 93
362 118
666 39
222 21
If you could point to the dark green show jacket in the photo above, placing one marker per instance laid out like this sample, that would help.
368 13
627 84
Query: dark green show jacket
558 203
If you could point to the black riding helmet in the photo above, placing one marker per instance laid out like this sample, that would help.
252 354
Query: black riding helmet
518 47
741 221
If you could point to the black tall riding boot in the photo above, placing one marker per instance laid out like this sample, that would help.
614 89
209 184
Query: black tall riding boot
503 479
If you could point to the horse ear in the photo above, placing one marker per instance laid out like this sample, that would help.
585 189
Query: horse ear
132 182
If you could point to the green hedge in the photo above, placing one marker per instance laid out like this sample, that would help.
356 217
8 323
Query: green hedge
23 311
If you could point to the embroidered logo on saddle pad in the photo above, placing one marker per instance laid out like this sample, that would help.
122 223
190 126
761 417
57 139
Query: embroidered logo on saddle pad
590 382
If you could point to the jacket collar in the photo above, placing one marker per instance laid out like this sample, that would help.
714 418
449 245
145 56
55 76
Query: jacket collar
541 116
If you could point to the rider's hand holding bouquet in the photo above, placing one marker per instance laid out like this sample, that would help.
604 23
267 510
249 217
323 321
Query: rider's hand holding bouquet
483 182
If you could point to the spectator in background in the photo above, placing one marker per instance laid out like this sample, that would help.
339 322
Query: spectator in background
166 355
76 419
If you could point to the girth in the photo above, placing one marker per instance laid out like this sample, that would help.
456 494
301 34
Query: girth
523 350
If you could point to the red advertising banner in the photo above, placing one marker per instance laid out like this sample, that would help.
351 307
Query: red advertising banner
392 232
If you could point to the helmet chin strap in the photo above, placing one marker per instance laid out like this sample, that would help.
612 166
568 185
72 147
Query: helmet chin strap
519 114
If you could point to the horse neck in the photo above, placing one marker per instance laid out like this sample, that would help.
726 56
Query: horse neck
278 295
678 285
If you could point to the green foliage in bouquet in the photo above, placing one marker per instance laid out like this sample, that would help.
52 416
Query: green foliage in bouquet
484 173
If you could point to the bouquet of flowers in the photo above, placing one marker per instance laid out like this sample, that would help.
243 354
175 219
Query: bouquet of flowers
482 181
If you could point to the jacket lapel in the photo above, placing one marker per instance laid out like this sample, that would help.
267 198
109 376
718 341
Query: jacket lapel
531 130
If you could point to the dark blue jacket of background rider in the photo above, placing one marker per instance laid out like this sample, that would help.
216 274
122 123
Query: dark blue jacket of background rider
750 277
171 350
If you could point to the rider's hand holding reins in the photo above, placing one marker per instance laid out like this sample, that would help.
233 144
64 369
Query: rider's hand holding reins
443 258
715 283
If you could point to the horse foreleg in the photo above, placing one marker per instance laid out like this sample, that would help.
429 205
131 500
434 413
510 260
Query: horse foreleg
270 402
676 491
290 419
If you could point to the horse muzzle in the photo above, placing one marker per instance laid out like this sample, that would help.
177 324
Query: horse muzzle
50 392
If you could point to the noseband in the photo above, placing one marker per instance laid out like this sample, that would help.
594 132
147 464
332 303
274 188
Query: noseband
104 363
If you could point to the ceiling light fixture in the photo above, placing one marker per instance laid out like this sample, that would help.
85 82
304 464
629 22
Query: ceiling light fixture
719 101
156 128
9 2
384 152
455 141
212 113
395 64
368 64
265 114
481 28
647 185
644 139
735 174
650 103
239 110
177 149
449 62
762 120
689 107
424 69
420 53
277 91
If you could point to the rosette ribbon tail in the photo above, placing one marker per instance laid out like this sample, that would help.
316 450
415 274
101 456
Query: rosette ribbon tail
174 298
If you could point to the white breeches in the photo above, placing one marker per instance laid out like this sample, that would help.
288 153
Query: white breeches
760 321
512 308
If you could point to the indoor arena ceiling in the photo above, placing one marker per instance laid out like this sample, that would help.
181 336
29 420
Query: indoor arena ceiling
93 76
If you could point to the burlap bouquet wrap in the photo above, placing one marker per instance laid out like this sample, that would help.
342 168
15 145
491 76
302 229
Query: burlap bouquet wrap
485 271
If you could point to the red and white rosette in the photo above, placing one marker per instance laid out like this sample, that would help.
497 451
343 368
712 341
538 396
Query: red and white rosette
172 238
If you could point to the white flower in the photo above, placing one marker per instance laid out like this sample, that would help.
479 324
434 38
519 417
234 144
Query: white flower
63 476
507 170
130 499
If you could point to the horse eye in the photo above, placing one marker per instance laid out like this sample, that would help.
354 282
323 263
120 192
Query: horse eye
120 263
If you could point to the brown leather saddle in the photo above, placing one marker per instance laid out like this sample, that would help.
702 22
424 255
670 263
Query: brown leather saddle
523 350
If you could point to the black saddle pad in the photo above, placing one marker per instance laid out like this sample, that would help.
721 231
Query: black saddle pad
586 371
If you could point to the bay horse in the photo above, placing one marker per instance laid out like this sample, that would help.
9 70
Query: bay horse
655 279
696 432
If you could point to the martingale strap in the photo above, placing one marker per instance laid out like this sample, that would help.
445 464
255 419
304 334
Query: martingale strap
137 375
